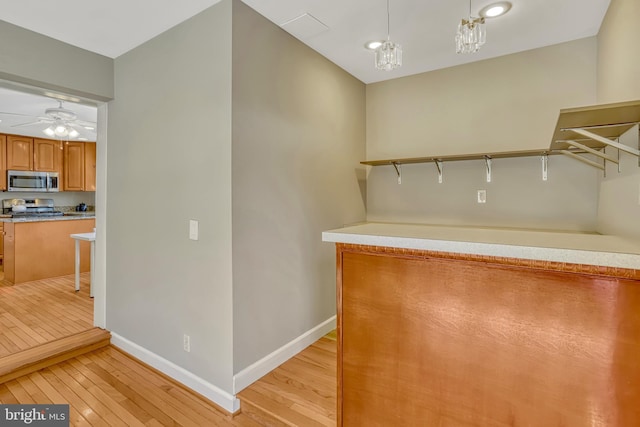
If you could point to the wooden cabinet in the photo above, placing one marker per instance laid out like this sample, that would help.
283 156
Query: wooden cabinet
79 166
3 162
1 240
430 338
89 166
73 178
19 153
47 155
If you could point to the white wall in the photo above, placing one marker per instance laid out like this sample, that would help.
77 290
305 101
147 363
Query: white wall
169 161
298 135
619 80
501 104
36 60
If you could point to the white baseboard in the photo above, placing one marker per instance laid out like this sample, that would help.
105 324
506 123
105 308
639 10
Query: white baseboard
268 363
220 397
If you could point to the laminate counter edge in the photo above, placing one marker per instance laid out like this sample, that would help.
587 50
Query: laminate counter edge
560 247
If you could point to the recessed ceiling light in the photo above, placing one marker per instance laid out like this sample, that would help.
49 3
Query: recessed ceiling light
495 9
373 45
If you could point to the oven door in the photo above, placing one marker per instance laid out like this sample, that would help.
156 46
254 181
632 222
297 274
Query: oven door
27 181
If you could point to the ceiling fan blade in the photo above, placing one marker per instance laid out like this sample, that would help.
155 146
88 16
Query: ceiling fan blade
15 114
27 124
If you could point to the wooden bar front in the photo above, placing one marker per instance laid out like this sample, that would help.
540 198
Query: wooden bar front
432 339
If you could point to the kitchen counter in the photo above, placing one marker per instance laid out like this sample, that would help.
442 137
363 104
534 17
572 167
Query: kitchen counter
68 216
435 322
557 246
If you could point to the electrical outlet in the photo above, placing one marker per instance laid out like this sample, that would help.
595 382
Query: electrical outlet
187 343
482 196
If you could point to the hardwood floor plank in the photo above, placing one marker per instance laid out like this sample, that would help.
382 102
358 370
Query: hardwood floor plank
302 391
41 311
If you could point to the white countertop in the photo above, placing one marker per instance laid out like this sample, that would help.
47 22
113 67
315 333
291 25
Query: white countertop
558 246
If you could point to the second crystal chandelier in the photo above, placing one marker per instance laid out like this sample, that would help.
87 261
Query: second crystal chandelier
471 34
388 55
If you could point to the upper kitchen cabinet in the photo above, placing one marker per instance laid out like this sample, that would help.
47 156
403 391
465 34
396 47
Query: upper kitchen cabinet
3 164
47 155
79 166
73 166
89 166
19 153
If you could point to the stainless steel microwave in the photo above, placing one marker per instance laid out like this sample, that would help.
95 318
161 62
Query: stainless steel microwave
33 181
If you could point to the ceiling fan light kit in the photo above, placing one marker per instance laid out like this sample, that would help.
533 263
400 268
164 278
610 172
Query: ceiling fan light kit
388 54
61 123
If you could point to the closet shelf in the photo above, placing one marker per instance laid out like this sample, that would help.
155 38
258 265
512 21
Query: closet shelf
481 156
584 130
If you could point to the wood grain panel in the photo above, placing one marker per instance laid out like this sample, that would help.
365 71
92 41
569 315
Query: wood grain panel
3 162
19 153
443 342
43 249
73 166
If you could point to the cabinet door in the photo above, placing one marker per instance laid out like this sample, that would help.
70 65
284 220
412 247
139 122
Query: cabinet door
19 153
3 162
1 240
47 155
89 166
73 166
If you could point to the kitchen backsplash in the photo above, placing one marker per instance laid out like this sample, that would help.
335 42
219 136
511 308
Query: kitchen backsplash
61 200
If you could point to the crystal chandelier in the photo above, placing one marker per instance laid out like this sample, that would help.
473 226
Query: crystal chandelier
471 34
388 55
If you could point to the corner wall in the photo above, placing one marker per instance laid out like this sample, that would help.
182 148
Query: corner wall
619 80
298 135
33 59
169 162
507 103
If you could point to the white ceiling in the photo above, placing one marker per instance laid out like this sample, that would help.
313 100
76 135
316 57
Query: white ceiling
27 107
425 29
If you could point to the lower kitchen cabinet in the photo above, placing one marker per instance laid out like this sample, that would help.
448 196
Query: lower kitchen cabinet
42 249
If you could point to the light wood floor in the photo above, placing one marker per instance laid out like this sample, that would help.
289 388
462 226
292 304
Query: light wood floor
300 392
107 388
37 312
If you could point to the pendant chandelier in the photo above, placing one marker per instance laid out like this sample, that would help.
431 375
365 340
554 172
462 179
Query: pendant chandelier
471 34
388 55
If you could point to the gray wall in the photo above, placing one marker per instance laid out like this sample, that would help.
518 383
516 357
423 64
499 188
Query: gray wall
501 104
169 161
298 135
33 59
619 80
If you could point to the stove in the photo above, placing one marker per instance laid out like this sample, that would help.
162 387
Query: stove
34 208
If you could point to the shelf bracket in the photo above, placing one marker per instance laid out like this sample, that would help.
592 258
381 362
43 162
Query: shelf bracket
545 166
582 159
398 168
606 141
593 151
439 166
487 161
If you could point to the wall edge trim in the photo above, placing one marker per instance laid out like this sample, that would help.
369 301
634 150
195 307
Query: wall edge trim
218 396
260 368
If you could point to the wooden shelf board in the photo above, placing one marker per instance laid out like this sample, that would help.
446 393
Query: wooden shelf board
497 155
625 114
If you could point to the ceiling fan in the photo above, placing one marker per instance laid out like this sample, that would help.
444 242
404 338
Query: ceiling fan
60 123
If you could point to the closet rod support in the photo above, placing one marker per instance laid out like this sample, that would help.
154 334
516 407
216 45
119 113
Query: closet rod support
398 168
545 166
439 166
593 151
582 159
487 161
